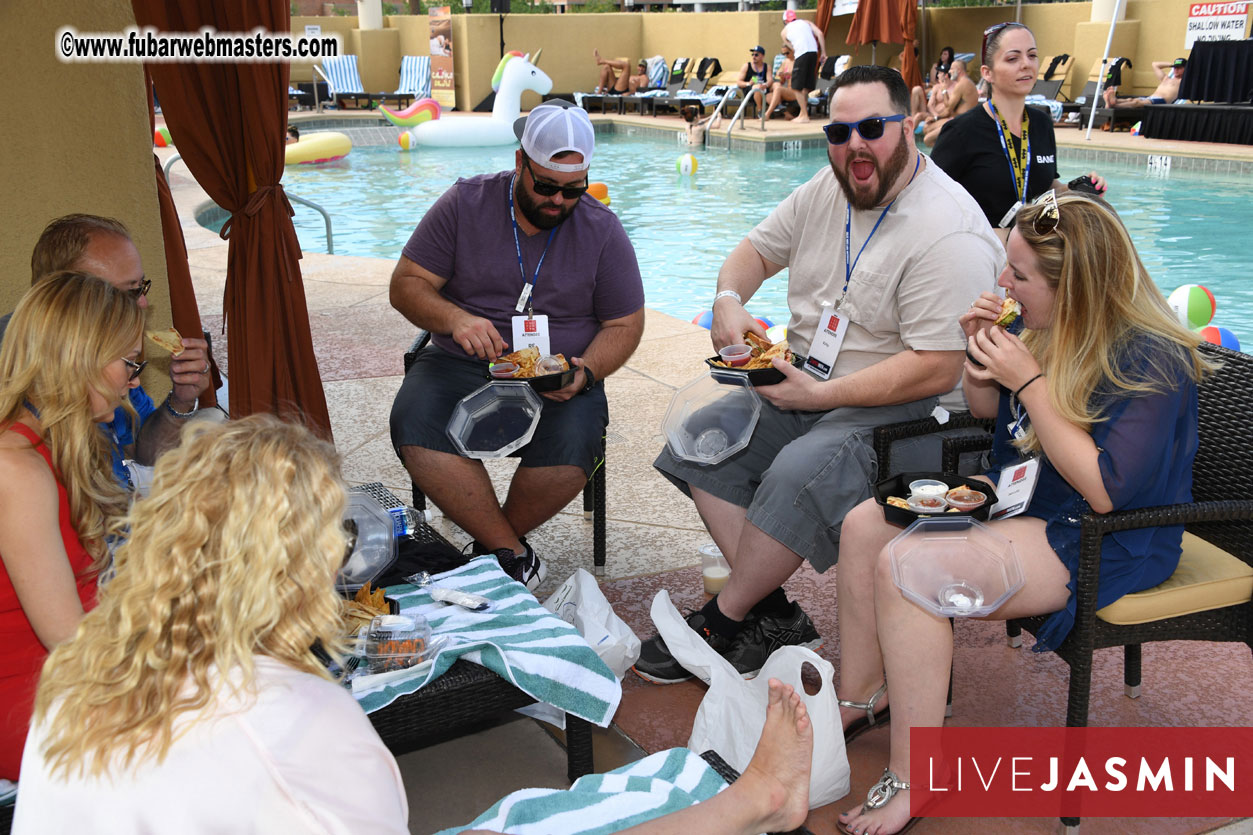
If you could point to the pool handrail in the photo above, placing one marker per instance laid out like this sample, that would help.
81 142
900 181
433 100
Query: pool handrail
330 238
738 117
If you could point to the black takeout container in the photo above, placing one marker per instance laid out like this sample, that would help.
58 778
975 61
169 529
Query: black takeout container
544 382
756 377
898 485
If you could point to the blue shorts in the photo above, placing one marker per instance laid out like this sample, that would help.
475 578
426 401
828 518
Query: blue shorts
570 433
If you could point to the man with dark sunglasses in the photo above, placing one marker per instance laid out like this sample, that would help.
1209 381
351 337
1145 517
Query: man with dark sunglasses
499 262
884 252
103 247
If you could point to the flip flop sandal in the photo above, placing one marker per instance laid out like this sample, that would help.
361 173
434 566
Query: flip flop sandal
872 718
879 795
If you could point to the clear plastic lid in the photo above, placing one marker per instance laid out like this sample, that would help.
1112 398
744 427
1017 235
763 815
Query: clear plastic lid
709 421
372 541
395 642
495 420
955 566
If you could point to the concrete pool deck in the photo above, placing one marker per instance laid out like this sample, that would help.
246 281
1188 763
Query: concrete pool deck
359 340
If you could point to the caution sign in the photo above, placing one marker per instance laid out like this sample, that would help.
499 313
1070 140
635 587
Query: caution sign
1215 22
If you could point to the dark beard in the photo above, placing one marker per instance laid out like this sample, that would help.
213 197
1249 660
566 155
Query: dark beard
530 207
887 177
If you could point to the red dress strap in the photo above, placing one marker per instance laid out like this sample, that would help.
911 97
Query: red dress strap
27 433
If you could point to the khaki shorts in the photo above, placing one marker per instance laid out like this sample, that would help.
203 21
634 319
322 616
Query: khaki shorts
800 474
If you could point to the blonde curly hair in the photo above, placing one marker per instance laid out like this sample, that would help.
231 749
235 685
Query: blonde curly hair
64 332
1106 306
233 554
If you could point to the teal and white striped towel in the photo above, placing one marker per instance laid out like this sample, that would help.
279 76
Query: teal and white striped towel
657 785
516 638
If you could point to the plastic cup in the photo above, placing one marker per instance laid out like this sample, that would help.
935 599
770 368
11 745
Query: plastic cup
548 365
736 355
965 499
927 487
927 504
504 370
714 569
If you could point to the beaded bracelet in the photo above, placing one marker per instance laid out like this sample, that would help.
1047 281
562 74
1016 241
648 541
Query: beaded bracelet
194 405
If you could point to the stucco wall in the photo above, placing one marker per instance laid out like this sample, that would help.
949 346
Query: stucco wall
75 139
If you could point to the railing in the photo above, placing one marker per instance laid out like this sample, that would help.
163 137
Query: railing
326 218
739 113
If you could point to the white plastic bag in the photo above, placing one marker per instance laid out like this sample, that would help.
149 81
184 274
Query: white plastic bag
730 717
580 603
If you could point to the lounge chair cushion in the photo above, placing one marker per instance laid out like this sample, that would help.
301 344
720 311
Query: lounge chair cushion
1207 578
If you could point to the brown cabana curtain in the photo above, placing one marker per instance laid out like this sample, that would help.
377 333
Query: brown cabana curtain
909 32
875 21
230 120
183 307
822 16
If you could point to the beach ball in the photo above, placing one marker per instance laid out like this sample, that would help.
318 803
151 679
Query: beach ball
1135 129
776 333
161 138
1216 335
705 320
406 140
765 323
600 191
1193 304
686 165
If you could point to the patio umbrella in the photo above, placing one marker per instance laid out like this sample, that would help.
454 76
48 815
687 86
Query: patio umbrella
909 32
230 120
876 22
822 16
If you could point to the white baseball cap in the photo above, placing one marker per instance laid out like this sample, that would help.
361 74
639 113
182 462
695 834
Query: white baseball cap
557 127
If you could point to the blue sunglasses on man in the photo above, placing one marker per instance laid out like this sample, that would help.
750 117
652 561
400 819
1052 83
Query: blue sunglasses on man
870 129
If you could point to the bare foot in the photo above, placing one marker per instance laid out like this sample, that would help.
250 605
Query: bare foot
801 119
882 821
596 55
776 780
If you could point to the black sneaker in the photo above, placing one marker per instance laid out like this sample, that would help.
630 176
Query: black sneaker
657 665
528 569
763 635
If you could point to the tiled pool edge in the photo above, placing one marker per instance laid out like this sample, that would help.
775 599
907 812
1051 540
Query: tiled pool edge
366 132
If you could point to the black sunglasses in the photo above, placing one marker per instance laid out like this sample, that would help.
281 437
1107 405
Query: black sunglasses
544 189
136 368
139 292
870 129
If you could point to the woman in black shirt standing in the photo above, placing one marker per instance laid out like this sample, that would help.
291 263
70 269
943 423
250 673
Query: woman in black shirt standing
1003 152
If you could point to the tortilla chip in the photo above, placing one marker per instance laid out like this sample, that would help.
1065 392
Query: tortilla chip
167 340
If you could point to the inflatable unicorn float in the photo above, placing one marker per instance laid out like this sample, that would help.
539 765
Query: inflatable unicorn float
514 74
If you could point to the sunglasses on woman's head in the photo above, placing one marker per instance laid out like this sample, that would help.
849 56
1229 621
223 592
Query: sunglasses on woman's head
544 189
1047 218
870 129
988 33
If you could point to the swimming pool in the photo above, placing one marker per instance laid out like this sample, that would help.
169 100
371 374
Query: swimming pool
1189 228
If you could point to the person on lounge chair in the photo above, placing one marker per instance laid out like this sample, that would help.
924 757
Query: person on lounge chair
755 76
1169 77
614 78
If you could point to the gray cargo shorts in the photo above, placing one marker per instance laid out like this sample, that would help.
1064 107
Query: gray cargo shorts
800 474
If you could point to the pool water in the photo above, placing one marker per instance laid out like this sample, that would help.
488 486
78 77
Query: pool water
1189 228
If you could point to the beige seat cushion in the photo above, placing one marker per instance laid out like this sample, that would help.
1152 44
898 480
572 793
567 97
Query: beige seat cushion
1207 578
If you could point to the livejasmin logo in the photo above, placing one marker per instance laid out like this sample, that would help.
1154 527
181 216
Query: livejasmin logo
1081 772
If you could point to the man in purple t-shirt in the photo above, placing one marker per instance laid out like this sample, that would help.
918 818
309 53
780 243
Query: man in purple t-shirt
570 274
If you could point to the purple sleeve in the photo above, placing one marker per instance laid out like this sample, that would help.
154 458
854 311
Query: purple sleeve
432 244
619 288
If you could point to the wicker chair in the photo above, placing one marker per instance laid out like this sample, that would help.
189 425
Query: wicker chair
593 491
1219 537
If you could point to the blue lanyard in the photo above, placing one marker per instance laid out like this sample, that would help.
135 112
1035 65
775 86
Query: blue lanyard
1026 139
530 299
848 234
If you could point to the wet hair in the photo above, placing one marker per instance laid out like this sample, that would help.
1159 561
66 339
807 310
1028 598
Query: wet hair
992 40
64 240
294 133
898 91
